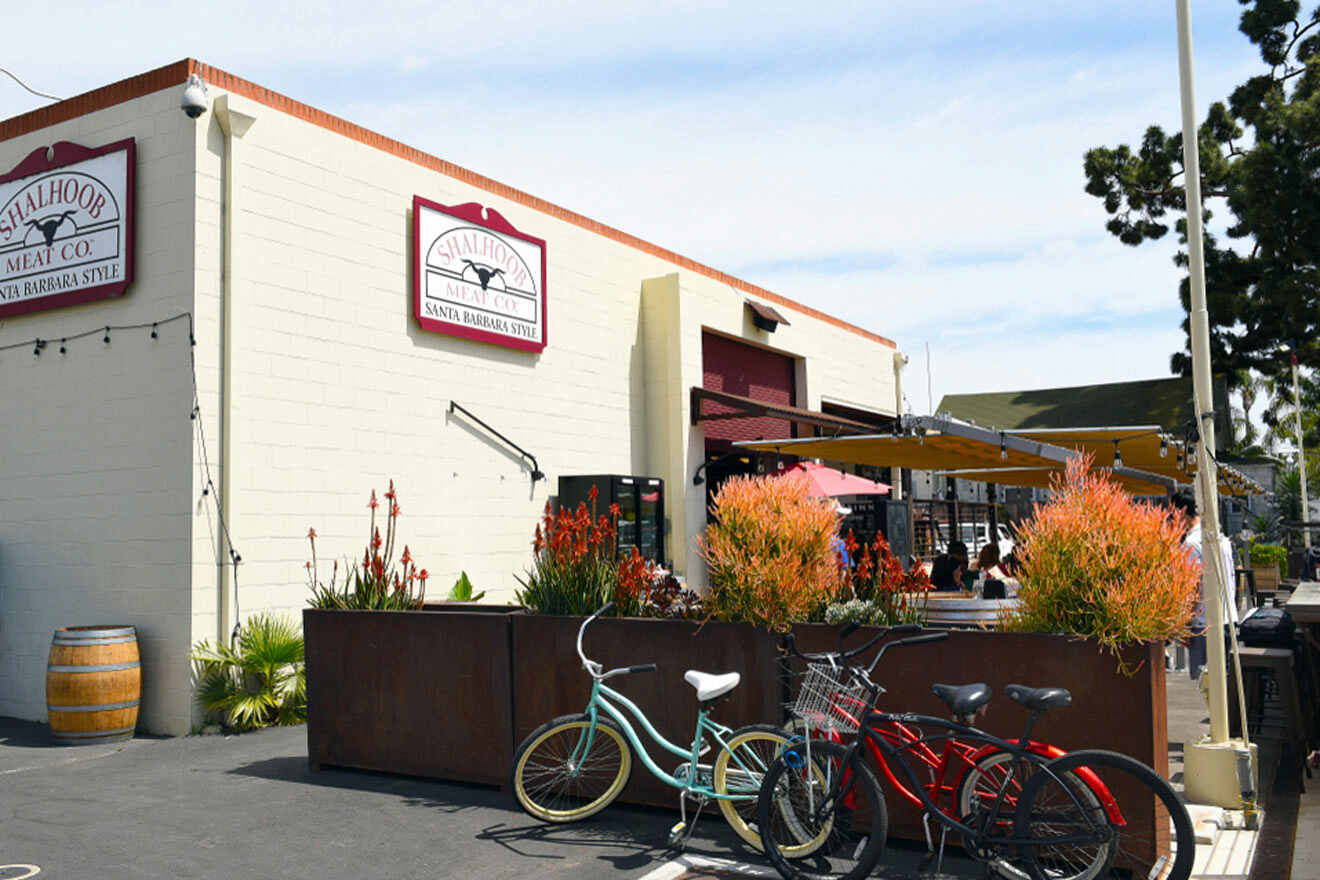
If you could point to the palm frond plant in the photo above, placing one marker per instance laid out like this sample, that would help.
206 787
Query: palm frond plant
258 682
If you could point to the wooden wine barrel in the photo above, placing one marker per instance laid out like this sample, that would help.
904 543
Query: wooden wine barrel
93 684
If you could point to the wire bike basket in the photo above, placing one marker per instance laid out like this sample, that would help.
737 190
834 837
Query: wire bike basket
826 702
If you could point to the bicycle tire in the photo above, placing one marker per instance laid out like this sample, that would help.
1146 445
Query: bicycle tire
547 788
980 786
844 842
1049 803
755 747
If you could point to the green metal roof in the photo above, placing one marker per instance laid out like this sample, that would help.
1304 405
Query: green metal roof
1163 402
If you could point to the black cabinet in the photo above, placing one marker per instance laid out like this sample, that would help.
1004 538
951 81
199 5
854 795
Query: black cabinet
873 515
641 501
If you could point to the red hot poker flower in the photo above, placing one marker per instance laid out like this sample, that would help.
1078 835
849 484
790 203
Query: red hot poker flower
373 503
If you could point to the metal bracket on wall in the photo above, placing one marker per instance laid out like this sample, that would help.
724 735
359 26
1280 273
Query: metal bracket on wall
537 474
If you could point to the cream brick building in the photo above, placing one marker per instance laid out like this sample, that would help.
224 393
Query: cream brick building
329 384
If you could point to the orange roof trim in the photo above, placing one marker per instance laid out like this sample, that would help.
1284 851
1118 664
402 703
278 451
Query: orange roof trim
173 75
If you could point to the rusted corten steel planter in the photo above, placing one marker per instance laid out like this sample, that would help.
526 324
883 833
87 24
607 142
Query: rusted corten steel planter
1109 711
548 679
425 693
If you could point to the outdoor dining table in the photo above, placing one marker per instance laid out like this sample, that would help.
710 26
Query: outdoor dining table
966 610
1304 608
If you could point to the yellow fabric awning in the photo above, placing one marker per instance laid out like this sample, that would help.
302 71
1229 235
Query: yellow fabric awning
936 446
1015 458
1147 449
1133 482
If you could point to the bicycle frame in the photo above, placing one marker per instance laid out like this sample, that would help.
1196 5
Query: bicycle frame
966 755
601 695
881 744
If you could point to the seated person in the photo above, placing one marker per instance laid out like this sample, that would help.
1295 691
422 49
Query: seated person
946 575
958 550
987 563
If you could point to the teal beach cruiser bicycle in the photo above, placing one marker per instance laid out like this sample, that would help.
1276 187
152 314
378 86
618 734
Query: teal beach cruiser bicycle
574 766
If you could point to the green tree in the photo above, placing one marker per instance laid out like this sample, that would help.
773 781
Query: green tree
1265 289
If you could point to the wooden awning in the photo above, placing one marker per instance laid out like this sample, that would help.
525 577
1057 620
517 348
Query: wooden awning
765 317
736 406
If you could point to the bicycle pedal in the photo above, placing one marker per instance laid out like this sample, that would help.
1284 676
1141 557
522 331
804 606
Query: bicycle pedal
676 833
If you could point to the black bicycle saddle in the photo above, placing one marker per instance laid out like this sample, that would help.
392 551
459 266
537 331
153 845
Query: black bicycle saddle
963 699
1038 699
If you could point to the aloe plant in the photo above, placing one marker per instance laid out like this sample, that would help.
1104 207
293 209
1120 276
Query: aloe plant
260 681
462 591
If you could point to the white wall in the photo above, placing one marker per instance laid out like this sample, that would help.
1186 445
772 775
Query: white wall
336 389
95 445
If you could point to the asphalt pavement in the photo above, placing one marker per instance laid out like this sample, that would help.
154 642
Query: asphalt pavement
249 806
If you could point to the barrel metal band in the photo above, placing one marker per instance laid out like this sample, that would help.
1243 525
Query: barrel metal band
111 667
105 707
100 633
79 642
91 734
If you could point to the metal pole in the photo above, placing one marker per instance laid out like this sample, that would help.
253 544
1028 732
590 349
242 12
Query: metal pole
1301 453
1206 471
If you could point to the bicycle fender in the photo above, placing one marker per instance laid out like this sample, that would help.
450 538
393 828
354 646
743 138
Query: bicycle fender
1086 774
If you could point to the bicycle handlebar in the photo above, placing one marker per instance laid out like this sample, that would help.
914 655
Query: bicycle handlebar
851 628
587 664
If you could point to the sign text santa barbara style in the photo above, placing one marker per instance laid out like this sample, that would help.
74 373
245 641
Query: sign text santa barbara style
66 227
476 276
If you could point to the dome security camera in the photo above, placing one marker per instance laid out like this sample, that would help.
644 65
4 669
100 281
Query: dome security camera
194 100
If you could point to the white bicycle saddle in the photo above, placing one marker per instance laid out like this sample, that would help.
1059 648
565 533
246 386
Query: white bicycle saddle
711 686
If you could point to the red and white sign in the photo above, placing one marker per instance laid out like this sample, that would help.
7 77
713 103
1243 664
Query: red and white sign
476 276
66 227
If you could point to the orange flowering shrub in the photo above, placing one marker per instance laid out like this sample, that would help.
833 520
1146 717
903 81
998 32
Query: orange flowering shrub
1098 564
770 552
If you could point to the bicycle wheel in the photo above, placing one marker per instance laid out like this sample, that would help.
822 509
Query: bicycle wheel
980 805
1076 837
740 769
808 836
552 787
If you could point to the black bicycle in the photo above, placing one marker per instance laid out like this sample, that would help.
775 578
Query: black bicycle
1027 810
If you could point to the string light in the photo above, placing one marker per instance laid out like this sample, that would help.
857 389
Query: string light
194 415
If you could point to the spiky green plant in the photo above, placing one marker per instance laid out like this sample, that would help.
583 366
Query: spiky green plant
260 681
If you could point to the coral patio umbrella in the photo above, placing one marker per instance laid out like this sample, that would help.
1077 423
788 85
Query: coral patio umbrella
828 482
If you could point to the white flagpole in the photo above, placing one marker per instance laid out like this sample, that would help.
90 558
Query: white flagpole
1218 763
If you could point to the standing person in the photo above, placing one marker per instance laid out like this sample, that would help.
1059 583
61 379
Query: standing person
1185 502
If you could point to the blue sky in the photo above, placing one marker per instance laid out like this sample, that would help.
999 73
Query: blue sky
910 168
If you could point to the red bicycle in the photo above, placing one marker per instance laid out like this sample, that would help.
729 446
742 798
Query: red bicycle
1026 808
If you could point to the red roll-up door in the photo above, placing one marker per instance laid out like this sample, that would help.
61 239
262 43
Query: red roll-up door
738 368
